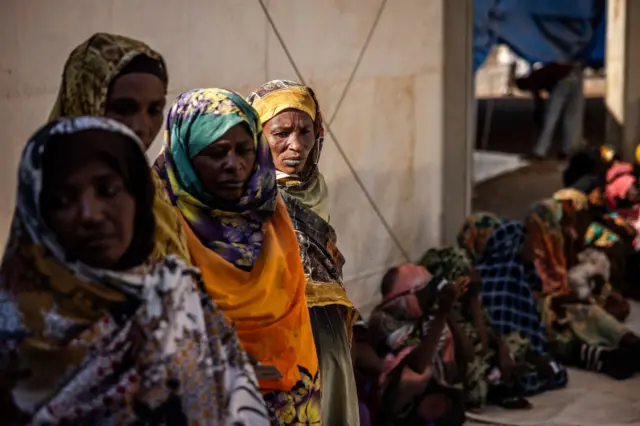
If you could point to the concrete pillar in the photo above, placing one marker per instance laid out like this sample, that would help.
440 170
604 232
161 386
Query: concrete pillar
622 82
458 116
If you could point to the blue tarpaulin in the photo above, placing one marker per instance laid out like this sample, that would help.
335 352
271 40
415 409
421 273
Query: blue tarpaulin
541 30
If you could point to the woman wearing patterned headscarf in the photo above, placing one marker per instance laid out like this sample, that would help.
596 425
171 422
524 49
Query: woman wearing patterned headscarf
123 79
407 330
580 331
476 231
293 125
90 331
509 285
220 177
489 367
608 185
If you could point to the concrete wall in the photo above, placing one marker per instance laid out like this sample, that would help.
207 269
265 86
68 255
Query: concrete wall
404 122
622 85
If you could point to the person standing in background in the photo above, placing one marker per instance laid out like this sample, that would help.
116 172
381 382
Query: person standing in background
565 105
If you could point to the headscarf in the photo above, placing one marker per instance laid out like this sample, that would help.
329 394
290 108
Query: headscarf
545 230
508 297
88 75
233 230
93 66
109 345
476 231
620 179
269 100
449 262
409 279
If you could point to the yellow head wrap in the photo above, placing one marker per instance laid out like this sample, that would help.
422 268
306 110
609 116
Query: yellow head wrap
295 97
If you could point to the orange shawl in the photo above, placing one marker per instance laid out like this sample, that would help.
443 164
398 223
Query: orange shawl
266 305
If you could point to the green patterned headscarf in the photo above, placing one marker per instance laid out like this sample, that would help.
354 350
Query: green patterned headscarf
449 262
232 229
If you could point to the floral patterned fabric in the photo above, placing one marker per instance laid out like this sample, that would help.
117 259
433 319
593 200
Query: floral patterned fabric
300 406
476 231
197 119
101 347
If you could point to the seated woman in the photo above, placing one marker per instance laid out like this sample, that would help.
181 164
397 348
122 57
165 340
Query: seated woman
406 331
488 368
509 282
580 331
124 79
90 332
621 195
607 231
219 174
293 126
566 223
476 231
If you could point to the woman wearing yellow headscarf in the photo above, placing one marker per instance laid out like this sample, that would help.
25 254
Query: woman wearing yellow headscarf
220 177
123 79
293 126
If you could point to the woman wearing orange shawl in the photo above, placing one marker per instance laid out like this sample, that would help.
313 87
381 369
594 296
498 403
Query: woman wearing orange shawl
580 331
124 79
219 175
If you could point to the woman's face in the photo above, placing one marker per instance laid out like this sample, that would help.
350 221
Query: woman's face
137 100
291 138
225 166
91 212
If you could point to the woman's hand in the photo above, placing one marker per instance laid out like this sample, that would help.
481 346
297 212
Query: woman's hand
446 298
462 285
506 364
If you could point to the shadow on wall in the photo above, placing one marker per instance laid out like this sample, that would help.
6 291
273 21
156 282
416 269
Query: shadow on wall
512 129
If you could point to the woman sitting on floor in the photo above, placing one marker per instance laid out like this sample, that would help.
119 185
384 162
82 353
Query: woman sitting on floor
488 368
509 281
407 330
91 333
580 331
587 177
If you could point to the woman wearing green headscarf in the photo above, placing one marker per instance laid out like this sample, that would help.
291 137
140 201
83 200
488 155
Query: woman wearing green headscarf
219 175
487 364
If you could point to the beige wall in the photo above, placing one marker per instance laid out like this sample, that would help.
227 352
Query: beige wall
407 102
